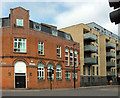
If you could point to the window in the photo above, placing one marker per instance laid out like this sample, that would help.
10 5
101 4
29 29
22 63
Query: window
54 32
83 70
0 23
71 57
59 51
97 71
93 70
88 70
75 58
66 57
41 72
41 48
67 75
58 72
67 36
20 22
75 75
37 27
19 45
50 66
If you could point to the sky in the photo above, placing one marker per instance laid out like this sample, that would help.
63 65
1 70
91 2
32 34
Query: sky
64 13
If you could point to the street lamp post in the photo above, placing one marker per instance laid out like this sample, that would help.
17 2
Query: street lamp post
74 67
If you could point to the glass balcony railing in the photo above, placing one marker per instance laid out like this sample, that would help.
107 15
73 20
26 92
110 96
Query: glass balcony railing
118 48
109 73
110 45
110 54
90 60
90 48
90 36
110 64
118 57
118 66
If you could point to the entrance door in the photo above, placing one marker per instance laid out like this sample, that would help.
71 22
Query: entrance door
20 75
20 81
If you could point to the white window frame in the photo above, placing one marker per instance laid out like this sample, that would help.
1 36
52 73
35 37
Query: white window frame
67 37
40 52
18 42
58 53
59 71
49 71
19 22
38 26
75 75
66 50
69 75
54 32
76 57
71 57
41 72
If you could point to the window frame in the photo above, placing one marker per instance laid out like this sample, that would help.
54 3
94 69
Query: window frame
59 71
71 57
34 25
93 70
40 45
84 71
17 47
54 32
76 57
58 54
88 70
40 76
68 73
48 67
19 24
67 37
76 77
97 71
66 50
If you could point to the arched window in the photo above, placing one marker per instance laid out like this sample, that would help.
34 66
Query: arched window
50 66
75 58
66 57
58 72
71 57
41 71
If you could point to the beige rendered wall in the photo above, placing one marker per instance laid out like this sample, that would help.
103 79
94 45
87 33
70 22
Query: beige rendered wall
76 32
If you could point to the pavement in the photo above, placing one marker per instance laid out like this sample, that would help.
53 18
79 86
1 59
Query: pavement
108 90
27 89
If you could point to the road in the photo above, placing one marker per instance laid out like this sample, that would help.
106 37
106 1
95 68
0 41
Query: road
81 91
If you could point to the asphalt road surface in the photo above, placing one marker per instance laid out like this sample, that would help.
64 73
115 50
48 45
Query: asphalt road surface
81 91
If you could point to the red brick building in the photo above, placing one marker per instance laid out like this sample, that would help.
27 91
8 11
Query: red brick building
30 49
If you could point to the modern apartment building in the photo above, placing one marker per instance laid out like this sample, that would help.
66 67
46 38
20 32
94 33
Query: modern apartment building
30 49
99 53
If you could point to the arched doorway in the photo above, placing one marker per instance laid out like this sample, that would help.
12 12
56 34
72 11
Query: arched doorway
20 74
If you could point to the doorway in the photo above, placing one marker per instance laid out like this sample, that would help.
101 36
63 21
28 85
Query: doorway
20 82
20 75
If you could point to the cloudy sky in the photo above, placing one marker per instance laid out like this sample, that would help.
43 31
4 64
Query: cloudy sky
65 12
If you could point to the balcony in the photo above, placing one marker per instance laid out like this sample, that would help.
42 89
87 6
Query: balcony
118 48
109 73
110 64
118 66
110 45
90 37
90 48
110 54
118 57
90 60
